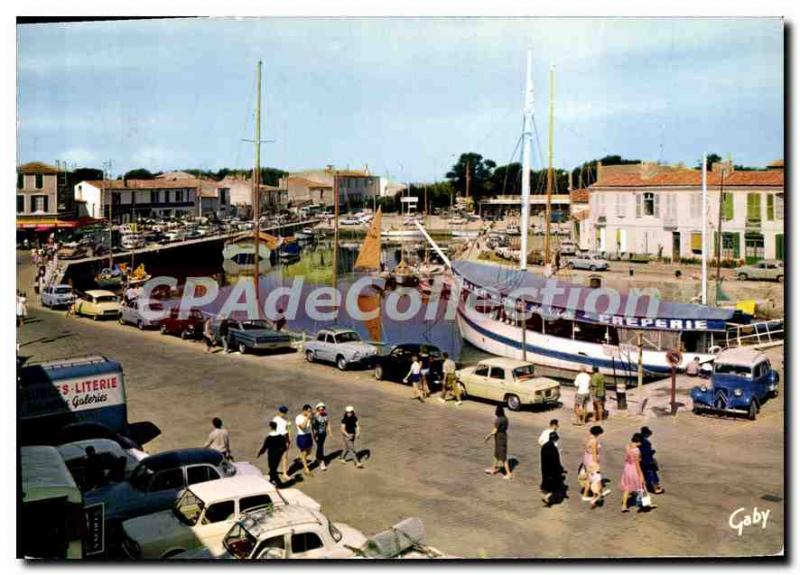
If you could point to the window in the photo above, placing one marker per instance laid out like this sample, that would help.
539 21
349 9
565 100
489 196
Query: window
276 542
247 503
221 511
20 203
696 204
482 370
649 204
753 247
779 206
498 373
329 338
730 248
601 204
153 196
727 206
200 473
322 337
302 542
39 204
39 181
754 207
638 205
167 479
770 207
166 196
621 205
20 181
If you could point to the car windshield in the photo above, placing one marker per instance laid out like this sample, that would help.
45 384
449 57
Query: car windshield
347 336
238 542
255 324
188 508
64 290
523 372
141 476
105 298
729 369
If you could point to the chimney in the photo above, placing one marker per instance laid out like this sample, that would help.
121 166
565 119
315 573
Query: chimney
598 175
648 169
724 167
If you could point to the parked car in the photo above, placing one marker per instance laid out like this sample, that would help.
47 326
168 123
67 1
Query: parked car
394 365
156 483
114 463
341 346
588 261
763 270
253 334
97 303
86 430
567 247
741 382
57 295
131 312
510 381
189 327
203 515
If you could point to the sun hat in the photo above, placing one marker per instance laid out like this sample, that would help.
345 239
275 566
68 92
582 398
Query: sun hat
320 404
349 408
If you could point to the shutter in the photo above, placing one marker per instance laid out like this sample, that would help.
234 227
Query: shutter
736 245
656 204
697 242
727 206
770 207
45 202
638 205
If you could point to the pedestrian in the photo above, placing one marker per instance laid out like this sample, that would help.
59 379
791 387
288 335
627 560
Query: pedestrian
450 386
351 430
425 370
590 462
693 367
22 308
321 428
598 386
275 446
544 436
632 481
223 334
304 439
649 464
414 375
581 383
283 430
552 486
280 321
219 439
208 334
500 434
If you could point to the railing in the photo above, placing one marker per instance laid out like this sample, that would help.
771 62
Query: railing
761 333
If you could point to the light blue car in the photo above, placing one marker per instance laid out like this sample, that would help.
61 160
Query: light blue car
57 296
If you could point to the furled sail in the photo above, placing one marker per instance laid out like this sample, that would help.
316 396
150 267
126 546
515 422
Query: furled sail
369 258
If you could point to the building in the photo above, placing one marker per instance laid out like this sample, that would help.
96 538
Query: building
580 215
657 210
44 201
125 201
509 205
214 198
316 187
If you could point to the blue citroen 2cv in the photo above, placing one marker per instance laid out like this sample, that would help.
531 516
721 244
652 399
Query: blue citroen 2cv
742 380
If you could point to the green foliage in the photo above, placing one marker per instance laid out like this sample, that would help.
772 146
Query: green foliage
586 174
138 174
480 172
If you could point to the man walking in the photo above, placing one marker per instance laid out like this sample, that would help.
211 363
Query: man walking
223 334
581 383
304 436
219 439
449 376
321 428
350 432
282 427
275 446
208 334
598 394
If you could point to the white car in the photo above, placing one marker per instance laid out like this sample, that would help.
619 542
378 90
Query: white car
57 295
117 463
510 381
203 514
341 346
131 312
588 261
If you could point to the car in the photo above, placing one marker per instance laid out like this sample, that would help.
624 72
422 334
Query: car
57 295
97 304
156 483
189 327
83 430
567 247
763 270
741 382
247 335
115 462
203 515
395 364
131 312
350 222
342 346
588 261
510 381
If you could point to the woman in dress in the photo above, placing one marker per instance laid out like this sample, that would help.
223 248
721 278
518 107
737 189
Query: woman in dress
591 459
649 465
500 434
632 477
552 486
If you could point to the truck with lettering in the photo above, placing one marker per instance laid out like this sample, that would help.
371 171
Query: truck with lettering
54 394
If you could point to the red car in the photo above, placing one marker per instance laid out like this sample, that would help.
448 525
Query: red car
189 327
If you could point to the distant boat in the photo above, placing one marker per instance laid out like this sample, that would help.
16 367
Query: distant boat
289 252
465 233
242 247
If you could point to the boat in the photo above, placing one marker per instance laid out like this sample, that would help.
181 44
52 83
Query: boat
137 277
469 234
242 247
400 234
288 252
110 277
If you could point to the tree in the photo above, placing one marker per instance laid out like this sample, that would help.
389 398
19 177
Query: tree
480 173
586 174
138 174
82 174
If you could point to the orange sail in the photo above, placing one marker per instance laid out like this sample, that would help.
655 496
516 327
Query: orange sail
369 258
369 304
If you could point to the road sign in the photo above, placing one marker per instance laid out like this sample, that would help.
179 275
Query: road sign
674 357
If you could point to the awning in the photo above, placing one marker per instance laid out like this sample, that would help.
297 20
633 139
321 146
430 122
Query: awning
47 224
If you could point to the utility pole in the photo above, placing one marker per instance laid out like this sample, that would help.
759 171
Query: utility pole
718 249
549 171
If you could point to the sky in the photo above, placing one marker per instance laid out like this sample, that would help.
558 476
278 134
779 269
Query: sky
403 96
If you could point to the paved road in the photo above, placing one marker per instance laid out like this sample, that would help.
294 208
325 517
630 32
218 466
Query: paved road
427 460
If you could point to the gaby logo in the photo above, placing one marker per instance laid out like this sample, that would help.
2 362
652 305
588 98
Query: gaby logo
739 519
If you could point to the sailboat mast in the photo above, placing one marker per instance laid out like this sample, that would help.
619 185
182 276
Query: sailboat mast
704 269
335 224
257 184
547 211
527 130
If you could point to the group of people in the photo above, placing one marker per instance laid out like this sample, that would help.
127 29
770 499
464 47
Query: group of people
589 387
640 477
419 376
312 427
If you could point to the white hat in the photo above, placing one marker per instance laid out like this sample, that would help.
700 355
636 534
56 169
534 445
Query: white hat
349 408
320 404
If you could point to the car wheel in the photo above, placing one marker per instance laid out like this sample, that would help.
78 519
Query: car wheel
164 330
140 324
463 390
513 402
171 553
593 268
95 317
310 356
780 279
695 409
752 411
378 372
571 265
742 276
774 393
242 348
185 334
341 363
119 319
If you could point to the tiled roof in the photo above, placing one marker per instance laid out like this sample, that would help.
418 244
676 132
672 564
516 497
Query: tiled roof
664 176
36 168
579 196
141 184
309 183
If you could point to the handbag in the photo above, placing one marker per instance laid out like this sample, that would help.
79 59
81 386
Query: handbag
644 499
